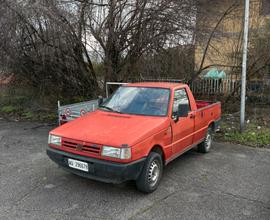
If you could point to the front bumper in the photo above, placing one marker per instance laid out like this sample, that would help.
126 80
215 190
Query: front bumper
104 171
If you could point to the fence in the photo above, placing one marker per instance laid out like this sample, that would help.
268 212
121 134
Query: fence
215 87
226 86
256 90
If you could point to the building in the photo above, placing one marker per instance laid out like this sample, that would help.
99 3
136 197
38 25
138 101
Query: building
225 48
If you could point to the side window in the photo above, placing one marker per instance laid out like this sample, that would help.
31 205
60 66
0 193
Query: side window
180 98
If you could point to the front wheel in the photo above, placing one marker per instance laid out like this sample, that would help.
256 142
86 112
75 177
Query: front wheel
205 146
151 174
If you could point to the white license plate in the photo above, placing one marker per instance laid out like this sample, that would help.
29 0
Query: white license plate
79 165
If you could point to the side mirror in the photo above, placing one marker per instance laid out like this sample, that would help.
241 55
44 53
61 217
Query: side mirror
100 100
183 110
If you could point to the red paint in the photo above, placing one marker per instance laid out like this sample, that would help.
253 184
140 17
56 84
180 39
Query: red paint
142 133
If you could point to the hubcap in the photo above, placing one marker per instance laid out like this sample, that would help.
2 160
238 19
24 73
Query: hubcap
153 174
208 141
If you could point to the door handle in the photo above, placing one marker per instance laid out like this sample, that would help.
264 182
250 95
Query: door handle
192 116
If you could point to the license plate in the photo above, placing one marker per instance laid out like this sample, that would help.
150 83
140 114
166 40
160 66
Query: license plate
79 165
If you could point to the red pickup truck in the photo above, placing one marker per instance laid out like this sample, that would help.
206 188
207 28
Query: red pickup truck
135 133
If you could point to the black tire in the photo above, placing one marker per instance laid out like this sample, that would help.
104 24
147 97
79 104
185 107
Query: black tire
153 166
205 146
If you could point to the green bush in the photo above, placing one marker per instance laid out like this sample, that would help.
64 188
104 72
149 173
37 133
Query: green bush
28 115
9 109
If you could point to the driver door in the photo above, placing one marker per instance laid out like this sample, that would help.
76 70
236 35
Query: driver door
183 128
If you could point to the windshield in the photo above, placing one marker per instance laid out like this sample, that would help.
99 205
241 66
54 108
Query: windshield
139 101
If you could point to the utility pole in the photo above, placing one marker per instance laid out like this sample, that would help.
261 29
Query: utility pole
244 68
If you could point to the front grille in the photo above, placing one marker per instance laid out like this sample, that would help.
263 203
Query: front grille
69 144
82 146
91 148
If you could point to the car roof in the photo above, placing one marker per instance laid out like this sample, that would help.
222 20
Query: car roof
166 85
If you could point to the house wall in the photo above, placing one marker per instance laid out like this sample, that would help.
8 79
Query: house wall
225 51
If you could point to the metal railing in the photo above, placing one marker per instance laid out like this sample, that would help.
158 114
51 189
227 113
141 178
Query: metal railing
227 87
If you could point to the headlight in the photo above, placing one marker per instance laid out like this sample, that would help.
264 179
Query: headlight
120 153
53 139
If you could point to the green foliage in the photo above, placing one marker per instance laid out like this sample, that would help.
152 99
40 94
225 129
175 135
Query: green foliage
39 116
254 135
8 109
28 115
78 99
8 98
19 99
48 117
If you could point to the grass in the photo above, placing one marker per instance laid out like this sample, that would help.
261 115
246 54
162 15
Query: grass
28 115
8 109
22 114
255 134
23 108
23 103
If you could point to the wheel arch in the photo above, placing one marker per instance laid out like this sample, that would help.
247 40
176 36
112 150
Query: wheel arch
212 125
158 149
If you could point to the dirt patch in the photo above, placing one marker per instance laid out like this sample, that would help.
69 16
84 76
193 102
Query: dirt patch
257 132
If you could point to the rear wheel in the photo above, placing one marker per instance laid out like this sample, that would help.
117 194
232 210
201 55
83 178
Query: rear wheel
205 146
150 176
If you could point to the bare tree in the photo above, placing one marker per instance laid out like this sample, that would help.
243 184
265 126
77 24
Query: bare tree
44 47
132 29
47 41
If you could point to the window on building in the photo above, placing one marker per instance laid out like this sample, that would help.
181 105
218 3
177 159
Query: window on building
265 7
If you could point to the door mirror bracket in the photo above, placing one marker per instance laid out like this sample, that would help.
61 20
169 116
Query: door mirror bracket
100 100
175 117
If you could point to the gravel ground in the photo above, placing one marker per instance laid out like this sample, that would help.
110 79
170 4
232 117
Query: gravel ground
231 182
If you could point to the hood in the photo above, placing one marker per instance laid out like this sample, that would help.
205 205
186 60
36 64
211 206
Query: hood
112 129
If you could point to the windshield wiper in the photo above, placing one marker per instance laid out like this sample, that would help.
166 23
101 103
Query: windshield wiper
108 108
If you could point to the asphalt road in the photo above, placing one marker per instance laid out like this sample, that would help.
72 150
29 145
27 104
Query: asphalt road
231 182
